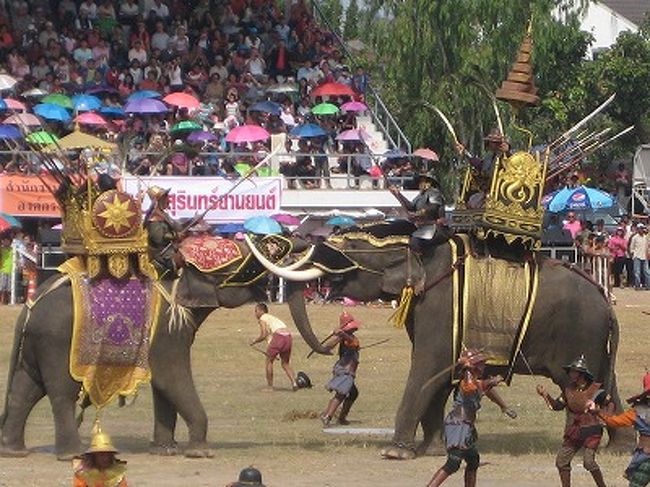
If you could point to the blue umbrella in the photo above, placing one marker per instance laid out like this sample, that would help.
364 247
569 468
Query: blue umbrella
86 103
112 111
9 132
395 154
307 130
140 94
229 228
262 225
50 111
341 221
95 90
266 107
579 198
3 105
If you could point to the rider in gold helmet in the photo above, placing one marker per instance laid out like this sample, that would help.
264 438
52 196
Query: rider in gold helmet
98 466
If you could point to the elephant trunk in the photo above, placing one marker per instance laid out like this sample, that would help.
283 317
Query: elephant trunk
301 319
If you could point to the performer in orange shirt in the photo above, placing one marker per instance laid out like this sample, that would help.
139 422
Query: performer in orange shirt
98 466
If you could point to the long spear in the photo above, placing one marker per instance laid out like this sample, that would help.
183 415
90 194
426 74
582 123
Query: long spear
582 122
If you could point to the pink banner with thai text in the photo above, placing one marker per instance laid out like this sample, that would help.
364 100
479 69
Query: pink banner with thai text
229 200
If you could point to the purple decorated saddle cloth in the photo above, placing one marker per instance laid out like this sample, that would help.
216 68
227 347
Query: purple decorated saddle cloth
113 325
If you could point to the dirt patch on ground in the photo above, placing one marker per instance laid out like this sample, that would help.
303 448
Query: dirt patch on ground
280 432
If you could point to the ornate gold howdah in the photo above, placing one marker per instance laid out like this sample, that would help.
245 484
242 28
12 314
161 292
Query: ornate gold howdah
106 229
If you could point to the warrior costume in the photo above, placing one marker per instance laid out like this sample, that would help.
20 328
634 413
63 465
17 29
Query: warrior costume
583 429
460 432
638 471
86 474
162 230
344 370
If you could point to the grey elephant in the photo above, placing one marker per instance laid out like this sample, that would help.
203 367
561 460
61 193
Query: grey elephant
569 317
40 365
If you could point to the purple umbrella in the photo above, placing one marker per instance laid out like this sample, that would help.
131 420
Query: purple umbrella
354 106
145 106
95 90
201 136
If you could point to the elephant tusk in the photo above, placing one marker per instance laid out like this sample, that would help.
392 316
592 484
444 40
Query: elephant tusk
302 261
291 275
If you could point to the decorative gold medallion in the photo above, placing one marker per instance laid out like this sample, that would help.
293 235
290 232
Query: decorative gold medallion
94 265
118 265
116 214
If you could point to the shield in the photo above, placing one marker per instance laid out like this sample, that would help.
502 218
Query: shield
116 214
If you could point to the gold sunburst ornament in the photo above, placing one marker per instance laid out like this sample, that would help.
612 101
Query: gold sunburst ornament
115 214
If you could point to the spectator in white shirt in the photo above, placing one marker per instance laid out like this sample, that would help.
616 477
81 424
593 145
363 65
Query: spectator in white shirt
160 38
88 8
639 250
138 52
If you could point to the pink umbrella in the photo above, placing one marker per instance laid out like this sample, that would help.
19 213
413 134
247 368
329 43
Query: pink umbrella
350 135
15 105
26 119
286 219
354 106
182 100
247 133
91 118
426 154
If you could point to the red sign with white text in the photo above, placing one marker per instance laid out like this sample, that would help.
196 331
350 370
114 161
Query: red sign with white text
22 195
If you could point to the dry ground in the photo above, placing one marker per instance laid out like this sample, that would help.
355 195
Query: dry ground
247 426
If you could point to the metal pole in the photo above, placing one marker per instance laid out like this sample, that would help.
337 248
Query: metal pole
14 254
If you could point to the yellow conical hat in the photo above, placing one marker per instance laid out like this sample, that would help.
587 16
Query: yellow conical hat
100 441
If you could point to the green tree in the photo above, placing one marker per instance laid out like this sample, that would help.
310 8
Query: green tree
351 29
333 11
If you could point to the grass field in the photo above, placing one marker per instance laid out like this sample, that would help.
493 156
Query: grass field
274 432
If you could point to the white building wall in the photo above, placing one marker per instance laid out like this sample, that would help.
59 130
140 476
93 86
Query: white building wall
605 25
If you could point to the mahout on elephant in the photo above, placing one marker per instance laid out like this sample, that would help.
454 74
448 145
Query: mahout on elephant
40 362
569 317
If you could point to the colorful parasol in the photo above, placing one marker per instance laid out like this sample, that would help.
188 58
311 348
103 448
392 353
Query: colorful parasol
325 109
80 140
7 82
333 89
41 137
15 105
186 126
58 99
26 119
145 106
351 135
354 106
266 106
341 221
182 100
262 225
579 198
50 111
427 154
85 103
7 222
201 136
34 93
9 132
142 94
247 133
91 118
307 130
286 219
116 112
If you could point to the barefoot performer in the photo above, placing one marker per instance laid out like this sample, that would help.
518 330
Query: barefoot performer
460 432
279 338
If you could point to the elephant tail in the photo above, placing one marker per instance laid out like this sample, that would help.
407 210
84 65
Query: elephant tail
16 356
614 334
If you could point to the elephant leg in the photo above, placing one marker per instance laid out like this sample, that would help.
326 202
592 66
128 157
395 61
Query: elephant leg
24 394
178 389
415 404
432 442
164 425
66 434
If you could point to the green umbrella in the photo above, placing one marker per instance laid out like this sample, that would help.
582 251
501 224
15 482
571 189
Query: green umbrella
59 99
186 126
42 137
325 109
242 168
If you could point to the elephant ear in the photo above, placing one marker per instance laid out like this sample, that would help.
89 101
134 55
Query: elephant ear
396 276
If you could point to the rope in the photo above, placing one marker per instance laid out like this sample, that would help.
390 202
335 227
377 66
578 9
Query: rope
398 318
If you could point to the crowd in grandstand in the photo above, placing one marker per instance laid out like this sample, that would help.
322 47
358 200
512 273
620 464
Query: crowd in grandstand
229 54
